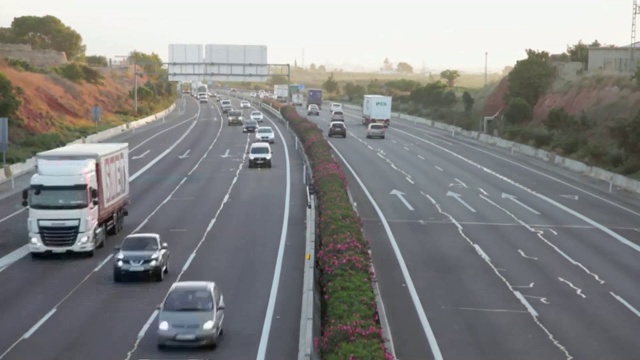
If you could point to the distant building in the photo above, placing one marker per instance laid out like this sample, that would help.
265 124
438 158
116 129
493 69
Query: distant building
613 58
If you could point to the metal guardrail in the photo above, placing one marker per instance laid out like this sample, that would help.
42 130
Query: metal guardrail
310 311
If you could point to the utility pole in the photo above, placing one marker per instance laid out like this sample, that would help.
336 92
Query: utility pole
633 64
302 62
135 86
486 54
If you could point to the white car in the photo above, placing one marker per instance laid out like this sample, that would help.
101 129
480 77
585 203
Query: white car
265 133
245 104
260 155
335 107
257 116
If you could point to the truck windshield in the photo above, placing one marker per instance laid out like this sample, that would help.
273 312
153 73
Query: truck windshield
58 197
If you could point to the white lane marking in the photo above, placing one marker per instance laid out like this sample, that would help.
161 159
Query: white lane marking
102 263
494 310
460 182
540 235
12 215
542 299
515 200
625 303
584 218
530 169
393 141
141 155
38 324
268 318
165 130
525 256
422 316
409 180
458 197
439 168
370 147
517 294
143 331
482 191
578 290
13 256
482 253
190 259
530 286
406 148
55 307
421 157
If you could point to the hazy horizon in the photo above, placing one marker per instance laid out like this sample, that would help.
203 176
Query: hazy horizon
342 34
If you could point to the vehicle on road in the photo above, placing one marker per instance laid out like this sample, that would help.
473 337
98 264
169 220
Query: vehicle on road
335 107
226 106
281 93
244 104
297 99
234 117
141 254
266 134
314 96
260 155
203 98
337 128
313 109
249 126
257 116
376 130
376 109
192 314
337 116
77 197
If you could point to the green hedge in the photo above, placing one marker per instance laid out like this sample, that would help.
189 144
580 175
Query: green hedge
350 324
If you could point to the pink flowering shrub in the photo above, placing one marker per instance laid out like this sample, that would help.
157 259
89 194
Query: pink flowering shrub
350 324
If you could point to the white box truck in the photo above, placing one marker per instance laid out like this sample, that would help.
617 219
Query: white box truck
281 92
376 108
77 197
297 99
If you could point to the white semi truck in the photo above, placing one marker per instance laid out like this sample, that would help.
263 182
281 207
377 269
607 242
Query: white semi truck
376 109
77 197
281 93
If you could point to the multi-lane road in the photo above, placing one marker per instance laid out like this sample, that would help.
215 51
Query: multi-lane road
483 255
242 228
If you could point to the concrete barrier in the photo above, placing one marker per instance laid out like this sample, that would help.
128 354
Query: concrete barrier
29 165
613 179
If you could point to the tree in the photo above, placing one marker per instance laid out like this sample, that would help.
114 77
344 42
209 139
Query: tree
322 68
312 67
450 76
531 77
559 120
45 33
518 111
387 65
97 60
404 68
353 91
9 101
580 52
374 87
403 85
295 64
434 94
506 70
277 80
468 101
330 85
152 66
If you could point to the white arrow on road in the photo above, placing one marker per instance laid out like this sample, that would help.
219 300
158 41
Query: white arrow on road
140 156
226 154
574 197
185 154
515 200
459 184
459 198
400 196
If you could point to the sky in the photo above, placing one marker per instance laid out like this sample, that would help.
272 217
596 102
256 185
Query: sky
431 33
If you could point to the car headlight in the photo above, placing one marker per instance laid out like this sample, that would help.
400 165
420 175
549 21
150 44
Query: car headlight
153 263
208 325
34 241
119 263
84 239
120 256
163 325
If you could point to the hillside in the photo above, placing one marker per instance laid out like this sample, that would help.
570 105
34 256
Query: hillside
55 110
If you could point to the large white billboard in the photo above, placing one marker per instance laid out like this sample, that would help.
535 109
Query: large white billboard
186 61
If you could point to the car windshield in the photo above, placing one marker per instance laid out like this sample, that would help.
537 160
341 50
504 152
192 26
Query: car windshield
140 243
313 107
235 113
376 127
226 102
59 197
188 300
260 150
338 125
265 130
339 113
256 113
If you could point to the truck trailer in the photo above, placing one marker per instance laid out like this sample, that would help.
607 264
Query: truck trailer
376 108
77 197
281 92
314 96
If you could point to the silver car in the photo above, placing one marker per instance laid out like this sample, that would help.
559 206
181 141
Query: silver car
376 130
191 315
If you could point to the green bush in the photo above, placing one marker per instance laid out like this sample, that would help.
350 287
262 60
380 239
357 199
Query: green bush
20 64
72 72
350 323
91 75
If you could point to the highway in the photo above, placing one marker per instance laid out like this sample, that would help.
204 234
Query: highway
242 228
483 255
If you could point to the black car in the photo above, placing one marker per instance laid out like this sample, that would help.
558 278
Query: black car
234 117
141 254
249 126
337 128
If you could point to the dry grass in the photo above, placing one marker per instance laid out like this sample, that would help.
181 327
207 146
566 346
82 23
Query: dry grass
315 79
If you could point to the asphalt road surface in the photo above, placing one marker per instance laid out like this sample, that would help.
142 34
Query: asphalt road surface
483 255
242 228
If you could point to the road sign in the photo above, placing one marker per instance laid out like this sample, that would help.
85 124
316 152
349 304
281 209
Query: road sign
300 87
96 111
4 138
